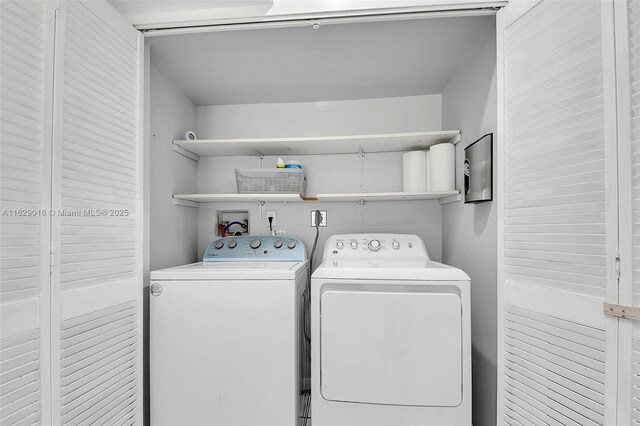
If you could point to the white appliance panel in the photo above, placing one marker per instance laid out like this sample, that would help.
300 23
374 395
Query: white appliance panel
391 347
222 352
391 335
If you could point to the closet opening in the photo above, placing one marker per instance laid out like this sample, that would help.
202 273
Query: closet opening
346 99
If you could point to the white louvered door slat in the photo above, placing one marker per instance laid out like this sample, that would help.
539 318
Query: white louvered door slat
25 144
559 216
97 277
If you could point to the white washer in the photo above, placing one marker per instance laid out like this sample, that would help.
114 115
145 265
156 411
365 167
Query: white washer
226 335
391 335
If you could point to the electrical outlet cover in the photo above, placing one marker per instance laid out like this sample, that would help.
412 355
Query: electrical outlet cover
272 214
323 218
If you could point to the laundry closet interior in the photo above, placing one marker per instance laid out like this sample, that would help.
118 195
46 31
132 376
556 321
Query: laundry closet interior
319 92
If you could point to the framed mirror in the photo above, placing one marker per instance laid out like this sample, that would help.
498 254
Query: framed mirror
478 170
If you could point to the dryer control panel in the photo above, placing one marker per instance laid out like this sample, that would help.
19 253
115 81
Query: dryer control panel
262 248
381 246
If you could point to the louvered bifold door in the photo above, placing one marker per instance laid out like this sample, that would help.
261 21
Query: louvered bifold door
628 68
559 216
26 30
97 282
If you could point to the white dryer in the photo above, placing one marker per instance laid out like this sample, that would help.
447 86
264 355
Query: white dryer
391 335
226 335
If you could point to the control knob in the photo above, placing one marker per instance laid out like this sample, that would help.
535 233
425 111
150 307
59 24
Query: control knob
232 244
374 245
277 244
255 244
395 245
219 244
291 244
354 245
340 245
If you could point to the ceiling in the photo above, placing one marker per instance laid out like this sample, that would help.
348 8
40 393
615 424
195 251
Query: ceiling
334 62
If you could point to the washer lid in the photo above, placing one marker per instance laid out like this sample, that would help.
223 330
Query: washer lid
232 271
389 270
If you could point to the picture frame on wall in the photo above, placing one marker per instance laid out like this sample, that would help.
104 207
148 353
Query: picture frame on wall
478 170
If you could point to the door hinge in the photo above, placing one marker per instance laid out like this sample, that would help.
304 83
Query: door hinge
617 265
57 12
51 260
621 311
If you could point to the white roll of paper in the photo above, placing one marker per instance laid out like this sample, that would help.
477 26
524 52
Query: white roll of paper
413 171
427 170
442 171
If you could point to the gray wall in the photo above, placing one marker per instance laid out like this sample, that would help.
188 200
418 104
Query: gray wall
325 173
172 228
470 231
363 116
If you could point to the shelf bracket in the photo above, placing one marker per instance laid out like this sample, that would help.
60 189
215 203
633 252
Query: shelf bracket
361 204
185 203
451 199
185 152
457 138
361 166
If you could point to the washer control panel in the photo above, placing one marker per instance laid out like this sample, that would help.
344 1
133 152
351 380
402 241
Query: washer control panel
391 246
263 248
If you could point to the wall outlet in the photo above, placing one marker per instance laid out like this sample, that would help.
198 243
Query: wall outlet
323 218
273 215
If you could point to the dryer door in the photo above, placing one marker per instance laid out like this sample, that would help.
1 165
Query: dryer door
390 346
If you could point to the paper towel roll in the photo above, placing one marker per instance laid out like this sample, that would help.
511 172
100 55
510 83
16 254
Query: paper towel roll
427 170
442 171
413 171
